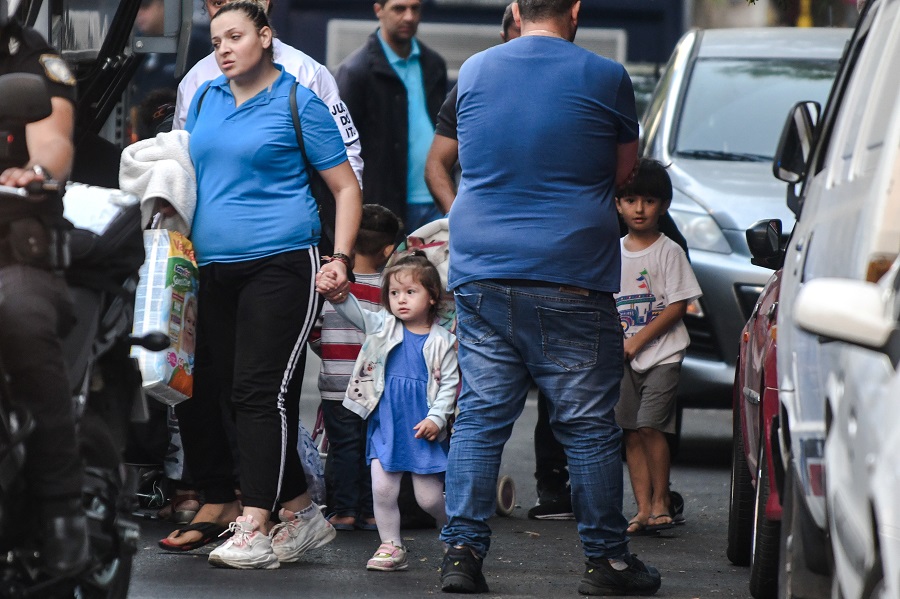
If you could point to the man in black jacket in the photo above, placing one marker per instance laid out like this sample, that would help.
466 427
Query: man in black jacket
394 86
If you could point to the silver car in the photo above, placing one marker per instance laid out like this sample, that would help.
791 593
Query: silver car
862 385
715 117
836 426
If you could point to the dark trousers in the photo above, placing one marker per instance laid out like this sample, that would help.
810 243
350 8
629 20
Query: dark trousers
549 455
35 311
254 318
348 479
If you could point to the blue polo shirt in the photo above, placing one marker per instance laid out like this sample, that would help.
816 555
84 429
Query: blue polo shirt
421 129
253 197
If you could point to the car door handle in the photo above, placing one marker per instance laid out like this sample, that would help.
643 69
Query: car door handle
751 395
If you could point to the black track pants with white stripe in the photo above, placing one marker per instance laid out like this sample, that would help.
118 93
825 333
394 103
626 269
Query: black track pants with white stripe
254 318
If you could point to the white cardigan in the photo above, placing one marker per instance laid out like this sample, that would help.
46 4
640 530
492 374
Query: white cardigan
384 331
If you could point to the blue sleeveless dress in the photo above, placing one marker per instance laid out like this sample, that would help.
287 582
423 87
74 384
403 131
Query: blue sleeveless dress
391 438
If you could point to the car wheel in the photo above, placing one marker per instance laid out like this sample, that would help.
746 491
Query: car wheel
113 555
795 580
874 587
836 592
787 558
111 581
740 510
766 538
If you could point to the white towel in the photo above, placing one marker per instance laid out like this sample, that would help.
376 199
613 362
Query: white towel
161 167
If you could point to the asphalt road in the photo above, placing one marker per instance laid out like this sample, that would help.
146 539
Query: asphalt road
528 558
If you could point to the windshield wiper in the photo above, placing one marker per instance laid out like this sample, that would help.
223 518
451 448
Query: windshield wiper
721 155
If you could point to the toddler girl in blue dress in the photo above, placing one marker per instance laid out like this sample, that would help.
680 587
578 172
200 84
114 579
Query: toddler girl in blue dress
404 381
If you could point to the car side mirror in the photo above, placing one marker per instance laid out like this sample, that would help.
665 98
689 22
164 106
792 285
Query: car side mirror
795 145
766 247
855 312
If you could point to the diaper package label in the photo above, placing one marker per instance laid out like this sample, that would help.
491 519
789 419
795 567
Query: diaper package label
166 301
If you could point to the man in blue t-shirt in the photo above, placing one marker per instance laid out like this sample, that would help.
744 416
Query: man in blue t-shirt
554 501
534 263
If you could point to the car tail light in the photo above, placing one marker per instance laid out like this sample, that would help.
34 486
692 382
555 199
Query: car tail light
816 473
812 464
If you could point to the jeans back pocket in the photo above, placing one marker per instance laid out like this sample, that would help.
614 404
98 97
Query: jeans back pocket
470 326
570 338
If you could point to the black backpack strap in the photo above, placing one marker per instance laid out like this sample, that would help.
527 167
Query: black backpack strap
298 129
320 192
202 95
313 172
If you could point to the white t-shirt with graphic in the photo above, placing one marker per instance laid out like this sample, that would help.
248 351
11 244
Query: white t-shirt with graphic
652 279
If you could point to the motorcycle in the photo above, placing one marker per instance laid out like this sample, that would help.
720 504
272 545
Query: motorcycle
104 257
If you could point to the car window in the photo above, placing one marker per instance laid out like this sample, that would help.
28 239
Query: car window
862 91
653 114
735 109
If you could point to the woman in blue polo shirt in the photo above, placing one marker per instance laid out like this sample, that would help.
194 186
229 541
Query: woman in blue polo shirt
255 233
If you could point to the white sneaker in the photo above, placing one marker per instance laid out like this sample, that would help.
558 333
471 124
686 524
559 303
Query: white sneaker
295 536
247 549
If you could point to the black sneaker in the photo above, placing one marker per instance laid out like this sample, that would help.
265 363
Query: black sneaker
461 572
553 508
600 578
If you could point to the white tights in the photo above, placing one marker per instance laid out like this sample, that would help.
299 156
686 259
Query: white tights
429 490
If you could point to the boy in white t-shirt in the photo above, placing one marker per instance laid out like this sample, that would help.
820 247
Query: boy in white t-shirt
657 284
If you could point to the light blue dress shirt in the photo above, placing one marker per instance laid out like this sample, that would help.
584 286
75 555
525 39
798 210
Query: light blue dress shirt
421 129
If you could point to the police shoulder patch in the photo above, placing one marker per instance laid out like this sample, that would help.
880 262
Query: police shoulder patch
56 69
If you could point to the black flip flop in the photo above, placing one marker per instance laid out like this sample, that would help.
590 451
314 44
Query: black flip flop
639 532
210 531
654 528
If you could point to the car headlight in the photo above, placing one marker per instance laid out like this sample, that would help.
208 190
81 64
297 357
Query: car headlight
701 231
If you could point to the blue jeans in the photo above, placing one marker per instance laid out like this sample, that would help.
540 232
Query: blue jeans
570 343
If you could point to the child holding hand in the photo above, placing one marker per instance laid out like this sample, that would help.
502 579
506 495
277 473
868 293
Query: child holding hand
347 480
657 284
404 382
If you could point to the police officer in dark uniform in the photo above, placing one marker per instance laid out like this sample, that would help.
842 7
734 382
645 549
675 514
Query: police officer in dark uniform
35 307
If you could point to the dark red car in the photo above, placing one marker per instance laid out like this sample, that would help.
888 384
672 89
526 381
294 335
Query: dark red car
754 522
